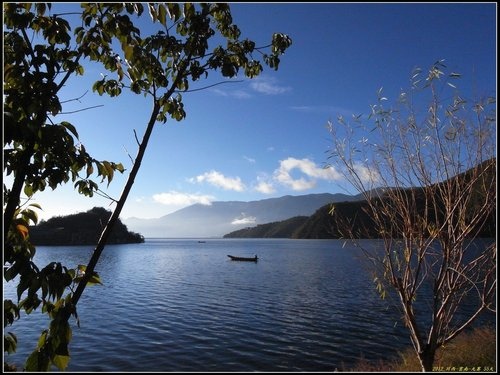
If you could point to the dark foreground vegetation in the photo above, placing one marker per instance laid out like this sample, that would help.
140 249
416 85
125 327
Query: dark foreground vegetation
80 229
473 351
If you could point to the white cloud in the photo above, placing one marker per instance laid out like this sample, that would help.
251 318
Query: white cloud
238 94
174 198
265 187
268 86
218 179
244 220
306 166
366 174
297 184
250 160
262 84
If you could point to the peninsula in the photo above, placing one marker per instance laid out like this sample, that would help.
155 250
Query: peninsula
80 229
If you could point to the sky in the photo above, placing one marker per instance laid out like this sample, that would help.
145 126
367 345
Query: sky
267 137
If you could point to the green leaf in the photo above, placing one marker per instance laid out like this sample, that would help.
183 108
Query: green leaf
79 70
90 170
37 361
10 311
94 279
162 14
61 361
11 272
10 343
119 167
82 268
109 172
129 54
28 190
42 339
70 127
30 215
99 87
36 205
174 11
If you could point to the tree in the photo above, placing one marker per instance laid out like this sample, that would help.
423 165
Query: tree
429 180
40 152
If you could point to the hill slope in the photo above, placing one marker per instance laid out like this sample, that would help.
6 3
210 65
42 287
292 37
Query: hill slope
280 229
80 229
322 225
220 218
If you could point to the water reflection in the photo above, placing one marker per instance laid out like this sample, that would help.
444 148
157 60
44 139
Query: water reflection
178 305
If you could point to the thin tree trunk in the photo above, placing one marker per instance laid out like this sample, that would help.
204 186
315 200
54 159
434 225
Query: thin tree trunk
427 358
17 187
119 206
126 190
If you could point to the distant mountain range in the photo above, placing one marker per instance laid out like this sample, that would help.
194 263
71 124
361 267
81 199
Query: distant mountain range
323 225
220 218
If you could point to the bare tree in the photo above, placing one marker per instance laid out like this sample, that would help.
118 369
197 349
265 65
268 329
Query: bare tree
429 180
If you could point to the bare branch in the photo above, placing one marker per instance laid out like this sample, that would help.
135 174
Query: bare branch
75 99
106 195
81 110
207 87
136 138
435 194
130 156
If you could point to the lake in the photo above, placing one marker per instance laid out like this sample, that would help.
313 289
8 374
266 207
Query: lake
183 305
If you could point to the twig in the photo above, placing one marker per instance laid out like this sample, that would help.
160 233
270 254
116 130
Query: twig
130 156
81 110
207 87
137 138
76 99
105 195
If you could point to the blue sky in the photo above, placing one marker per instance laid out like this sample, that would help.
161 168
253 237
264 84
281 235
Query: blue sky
266 137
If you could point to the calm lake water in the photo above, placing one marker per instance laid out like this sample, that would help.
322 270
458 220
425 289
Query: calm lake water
181 305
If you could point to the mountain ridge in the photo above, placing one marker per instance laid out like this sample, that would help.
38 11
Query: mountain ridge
323 225
222 217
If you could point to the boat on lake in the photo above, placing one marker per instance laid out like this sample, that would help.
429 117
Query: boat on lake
245 259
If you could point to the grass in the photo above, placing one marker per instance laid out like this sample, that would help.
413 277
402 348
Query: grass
474 351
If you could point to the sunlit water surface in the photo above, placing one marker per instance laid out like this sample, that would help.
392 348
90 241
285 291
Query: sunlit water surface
183 305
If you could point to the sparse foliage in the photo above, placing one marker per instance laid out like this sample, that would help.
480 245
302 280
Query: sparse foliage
40 56
429 180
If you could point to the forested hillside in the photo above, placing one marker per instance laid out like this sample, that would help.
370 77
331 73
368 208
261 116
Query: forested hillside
351 216
80 229
278 229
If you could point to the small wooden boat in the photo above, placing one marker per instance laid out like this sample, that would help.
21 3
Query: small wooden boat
254 259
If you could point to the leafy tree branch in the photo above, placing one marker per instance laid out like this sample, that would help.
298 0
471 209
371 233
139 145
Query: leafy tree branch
40 152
